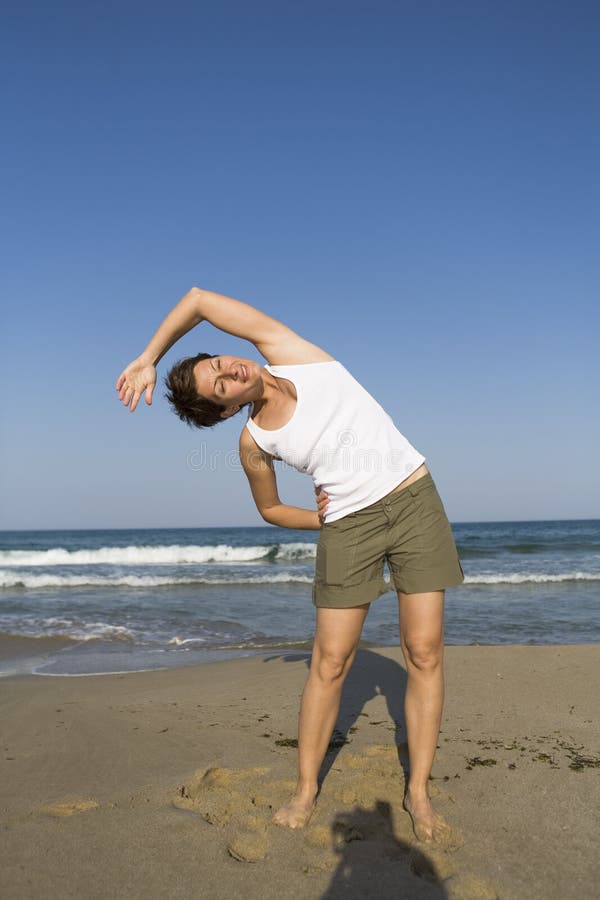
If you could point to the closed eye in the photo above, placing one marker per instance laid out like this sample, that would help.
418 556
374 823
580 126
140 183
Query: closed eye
222 383
216 366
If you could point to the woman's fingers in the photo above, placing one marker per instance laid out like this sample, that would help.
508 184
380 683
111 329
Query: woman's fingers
130 395
125 394
121 380
322 501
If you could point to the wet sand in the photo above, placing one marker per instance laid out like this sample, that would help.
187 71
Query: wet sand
15 649
162 784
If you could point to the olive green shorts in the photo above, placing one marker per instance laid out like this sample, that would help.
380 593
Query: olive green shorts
409 529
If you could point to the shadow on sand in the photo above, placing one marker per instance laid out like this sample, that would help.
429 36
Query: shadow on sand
371 674
373 862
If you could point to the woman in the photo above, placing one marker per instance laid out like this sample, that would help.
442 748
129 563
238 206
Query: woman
375 500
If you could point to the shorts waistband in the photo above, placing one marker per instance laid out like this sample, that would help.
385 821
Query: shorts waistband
398 496
390 499
410 490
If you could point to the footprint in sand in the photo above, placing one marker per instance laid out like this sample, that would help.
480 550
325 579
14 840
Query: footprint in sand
240 801
223 795
69 808
250 843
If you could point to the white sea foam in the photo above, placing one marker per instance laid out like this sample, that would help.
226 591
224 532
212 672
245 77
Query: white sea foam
28 580
162 555
85 631
531 578
12 579
297 550
179 642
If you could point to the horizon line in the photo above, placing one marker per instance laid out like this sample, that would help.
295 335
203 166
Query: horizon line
274 527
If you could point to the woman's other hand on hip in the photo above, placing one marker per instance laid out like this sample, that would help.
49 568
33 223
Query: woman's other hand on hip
322 503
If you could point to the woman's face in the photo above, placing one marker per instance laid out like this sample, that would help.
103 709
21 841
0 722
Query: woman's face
229 381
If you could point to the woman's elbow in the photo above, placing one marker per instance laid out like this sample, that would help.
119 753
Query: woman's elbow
195 293
269 514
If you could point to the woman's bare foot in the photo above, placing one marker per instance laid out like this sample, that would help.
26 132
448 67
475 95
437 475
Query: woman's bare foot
296 813
429 827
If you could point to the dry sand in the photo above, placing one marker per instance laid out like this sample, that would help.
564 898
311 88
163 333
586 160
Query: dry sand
161 784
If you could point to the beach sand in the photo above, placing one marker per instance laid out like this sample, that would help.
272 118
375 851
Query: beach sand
162 784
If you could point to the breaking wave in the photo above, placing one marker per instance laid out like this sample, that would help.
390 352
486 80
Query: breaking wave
162 555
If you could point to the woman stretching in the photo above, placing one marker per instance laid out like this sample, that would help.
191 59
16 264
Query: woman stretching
376 501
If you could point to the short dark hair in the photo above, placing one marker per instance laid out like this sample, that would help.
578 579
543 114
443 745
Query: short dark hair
186 402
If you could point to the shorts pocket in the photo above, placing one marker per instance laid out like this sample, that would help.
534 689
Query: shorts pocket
431 530
332 558
429 499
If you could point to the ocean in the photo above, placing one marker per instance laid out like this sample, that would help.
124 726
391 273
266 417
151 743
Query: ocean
125 600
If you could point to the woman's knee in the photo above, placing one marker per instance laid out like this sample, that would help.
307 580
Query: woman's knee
331 664
336 640
424 655
422 629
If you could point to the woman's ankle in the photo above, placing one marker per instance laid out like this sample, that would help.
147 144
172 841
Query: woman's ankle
417 791
306 789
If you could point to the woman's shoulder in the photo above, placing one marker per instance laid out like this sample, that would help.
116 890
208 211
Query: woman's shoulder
304 365
298 353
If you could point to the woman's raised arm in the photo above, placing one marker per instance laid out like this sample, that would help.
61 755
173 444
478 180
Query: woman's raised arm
276 342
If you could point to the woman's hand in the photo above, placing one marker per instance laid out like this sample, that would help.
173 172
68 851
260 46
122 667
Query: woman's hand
322 503
139 376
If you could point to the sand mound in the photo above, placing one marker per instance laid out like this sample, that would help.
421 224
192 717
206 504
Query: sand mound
358 821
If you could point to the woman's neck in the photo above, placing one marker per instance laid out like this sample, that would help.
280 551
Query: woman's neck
277 396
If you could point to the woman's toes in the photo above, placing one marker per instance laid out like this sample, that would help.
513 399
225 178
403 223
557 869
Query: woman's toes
294 814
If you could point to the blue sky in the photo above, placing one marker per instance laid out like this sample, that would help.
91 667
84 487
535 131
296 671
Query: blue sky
414 186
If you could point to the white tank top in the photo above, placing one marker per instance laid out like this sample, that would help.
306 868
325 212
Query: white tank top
340 436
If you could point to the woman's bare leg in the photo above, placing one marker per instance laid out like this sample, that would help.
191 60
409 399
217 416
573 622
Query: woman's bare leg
422 642
336 639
